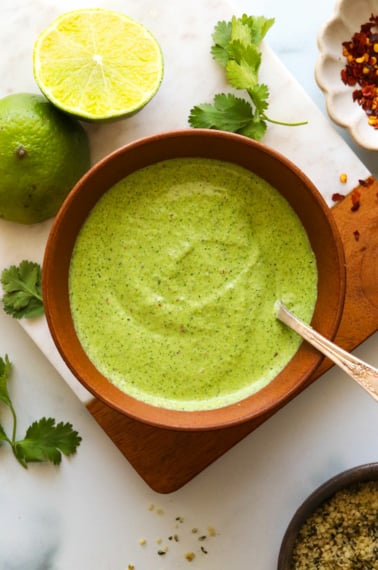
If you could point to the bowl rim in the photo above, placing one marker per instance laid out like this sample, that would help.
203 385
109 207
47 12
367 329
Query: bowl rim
358 474
239 412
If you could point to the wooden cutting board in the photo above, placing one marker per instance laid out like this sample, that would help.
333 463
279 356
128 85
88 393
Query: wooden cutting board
167 459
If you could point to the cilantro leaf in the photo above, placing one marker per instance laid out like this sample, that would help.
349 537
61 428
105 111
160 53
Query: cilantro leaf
22 290
236 48
242 31
5 370
241 75
221 38
250 54
258 27
256 129
227 113
260 95
45 441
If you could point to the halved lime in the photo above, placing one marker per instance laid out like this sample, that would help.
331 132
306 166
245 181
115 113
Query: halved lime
97 64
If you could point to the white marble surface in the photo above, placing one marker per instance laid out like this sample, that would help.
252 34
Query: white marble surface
90 512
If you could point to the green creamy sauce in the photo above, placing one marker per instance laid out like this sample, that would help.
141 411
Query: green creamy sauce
173 282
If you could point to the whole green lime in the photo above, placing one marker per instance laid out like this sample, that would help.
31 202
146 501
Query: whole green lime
43 153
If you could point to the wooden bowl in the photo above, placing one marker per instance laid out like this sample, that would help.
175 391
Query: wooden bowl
266 163
359 474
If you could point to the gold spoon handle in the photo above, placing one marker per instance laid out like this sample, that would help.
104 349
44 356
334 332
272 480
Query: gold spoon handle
360 371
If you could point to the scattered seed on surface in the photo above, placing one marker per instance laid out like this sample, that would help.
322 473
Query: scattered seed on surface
174 537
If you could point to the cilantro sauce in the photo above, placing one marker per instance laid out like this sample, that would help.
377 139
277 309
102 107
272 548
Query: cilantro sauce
174 277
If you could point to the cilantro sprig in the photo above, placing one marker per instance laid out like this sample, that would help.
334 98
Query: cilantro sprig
44 440
22 290
236 47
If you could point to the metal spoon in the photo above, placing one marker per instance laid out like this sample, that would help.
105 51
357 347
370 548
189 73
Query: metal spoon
364 374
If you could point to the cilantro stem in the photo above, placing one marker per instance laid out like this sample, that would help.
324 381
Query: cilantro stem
283 123
265 117
12 441
14 430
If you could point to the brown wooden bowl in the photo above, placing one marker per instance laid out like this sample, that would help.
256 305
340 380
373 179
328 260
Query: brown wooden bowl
266 163
343 480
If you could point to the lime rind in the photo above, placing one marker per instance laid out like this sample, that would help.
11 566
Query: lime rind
101 73
43 153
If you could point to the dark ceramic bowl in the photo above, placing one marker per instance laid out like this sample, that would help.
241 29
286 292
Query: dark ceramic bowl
266 163
359 474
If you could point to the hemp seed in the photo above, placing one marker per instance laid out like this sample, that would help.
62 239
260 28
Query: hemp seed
341 533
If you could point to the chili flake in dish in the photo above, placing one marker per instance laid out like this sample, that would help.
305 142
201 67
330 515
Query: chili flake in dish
361 69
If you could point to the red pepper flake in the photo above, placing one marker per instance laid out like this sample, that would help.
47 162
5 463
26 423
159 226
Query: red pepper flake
361 69
337 197
356 234
368 182
355 195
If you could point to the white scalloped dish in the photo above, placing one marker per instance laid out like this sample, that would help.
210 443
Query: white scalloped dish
348 17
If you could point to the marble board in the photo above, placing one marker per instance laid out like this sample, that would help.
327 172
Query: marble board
191 76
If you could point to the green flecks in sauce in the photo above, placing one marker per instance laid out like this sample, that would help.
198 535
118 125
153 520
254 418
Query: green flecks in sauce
173 282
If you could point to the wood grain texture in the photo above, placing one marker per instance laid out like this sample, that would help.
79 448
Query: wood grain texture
167 459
